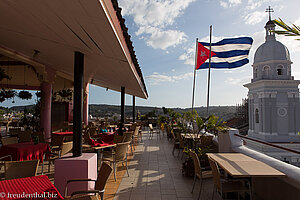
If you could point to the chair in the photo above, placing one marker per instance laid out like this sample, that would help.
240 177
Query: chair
24 136
118 139
103 175
153 131
41 136
181 144
20 169
9 140
132 127
227 185
120 155
55 153
198 172
129 138
136 135
56 141
93 131
14 131
7 157
84 197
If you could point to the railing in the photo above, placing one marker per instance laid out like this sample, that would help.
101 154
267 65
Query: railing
269 144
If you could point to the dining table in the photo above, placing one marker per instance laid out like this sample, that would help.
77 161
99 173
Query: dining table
35 187
239 165
106 137
66 133
25 151
98 150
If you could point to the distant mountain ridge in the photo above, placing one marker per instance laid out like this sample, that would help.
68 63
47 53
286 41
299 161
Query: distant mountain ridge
102 110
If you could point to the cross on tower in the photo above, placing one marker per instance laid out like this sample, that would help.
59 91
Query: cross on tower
269 10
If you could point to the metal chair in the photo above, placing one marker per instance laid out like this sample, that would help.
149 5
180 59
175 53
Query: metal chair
227 185
9 140
199 173
20 169
55 153
152 131
24 136
120 155
103 176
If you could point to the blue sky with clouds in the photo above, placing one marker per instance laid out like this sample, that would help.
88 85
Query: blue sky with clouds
164 33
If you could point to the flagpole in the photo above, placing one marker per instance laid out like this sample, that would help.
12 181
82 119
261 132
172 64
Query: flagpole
208 84
196 55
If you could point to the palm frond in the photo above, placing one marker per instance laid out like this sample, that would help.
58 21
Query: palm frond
293 30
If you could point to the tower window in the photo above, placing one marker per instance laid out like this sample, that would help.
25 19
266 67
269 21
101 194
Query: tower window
280 70
256 116
266 70
255 73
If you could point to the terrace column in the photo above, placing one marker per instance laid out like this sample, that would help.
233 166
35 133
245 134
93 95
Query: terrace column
122 105
86 105
46 102
133 109
46 88
78 100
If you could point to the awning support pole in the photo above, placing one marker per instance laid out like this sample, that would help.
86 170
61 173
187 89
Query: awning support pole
133 109
123 105
78 101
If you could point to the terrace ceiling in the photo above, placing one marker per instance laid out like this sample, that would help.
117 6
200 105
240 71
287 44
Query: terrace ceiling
50 31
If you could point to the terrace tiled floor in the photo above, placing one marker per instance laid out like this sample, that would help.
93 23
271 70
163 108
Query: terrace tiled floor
156 174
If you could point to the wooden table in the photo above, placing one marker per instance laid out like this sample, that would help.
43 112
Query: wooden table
239 165
98 150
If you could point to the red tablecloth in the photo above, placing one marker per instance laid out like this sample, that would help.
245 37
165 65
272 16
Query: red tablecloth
106 137
36 187
25 151
63 133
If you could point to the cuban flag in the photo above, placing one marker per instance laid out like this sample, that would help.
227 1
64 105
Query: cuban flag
227 53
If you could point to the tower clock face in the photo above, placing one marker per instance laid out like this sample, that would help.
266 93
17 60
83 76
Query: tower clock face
282 112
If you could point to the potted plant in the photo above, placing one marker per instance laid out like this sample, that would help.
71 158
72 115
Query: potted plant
3 75
25 95
8 94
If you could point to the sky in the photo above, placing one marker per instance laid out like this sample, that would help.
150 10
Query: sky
164 34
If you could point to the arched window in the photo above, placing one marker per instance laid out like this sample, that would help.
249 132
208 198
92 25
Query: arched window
255 73
256 116
279 70
266 70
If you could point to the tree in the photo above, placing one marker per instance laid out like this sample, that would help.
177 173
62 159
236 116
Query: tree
293 30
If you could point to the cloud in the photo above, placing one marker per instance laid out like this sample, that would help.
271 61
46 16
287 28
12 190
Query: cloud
157 78
234 71
253 4
230 3
237 81
255 17
153 19
189 56
162 39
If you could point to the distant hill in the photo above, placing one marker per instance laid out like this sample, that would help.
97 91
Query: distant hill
102 110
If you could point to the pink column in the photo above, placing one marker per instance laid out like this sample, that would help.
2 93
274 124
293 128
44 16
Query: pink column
46 102
86 105
46 109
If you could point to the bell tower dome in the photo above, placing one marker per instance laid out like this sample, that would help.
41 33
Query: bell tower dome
274 107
